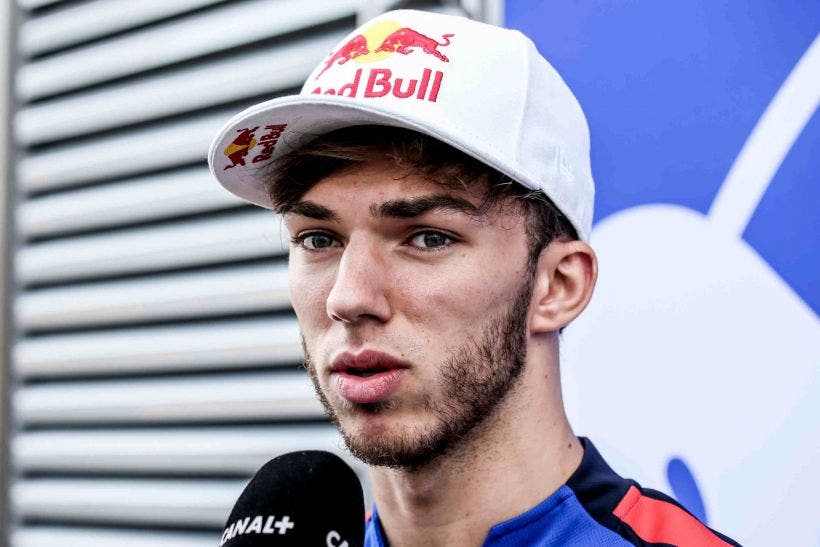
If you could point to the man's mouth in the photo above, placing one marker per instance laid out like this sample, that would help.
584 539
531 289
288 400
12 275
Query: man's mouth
362 373
367 377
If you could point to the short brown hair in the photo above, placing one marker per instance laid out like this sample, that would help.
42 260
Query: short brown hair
415 154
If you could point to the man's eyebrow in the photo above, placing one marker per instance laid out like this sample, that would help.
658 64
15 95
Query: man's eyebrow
414 207
313 210
396 208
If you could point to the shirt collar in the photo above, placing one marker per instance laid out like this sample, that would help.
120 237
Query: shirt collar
593 479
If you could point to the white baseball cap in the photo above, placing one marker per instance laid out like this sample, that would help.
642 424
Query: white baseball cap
482 89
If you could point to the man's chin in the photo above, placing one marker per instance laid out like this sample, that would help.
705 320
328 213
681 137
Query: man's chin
381 440
371 422
380 433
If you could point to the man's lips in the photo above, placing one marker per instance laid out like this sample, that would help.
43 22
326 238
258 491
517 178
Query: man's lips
367 377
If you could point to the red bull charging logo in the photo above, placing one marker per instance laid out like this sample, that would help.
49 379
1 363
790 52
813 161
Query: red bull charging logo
403 39
241 146
377 42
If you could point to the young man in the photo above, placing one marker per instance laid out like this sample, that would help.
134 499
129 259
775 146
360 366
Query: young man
434 178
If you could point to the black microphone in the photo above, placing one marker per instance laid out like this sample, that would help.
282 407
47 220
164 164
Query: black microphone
301 498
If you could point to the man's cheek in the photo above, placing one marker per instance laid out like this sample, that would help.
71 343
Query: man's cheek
309 300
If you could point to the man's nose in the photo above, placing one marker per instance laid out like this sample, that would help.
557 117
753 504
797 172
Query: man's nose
360 288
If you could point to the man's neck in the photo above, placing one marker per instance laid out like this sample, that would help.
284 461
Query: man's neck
507 467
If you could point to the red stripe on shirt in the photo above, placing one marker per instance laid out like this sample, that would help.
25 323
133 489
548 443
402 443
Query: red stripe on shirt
657 521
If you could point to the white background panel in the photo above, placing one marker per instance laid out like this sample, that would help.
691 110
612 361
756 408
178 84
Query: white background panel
140 199
231 25
42 536
34 4
246 235
121 155
246 396
182 295
202 502
250 73
79 22
182 450
218 344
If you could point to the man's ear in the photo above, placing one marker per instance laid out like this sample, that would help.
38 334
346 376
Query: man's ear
564 279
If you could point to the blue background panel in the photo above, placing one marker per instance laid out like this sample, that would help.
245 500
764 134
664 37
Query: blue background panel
672 91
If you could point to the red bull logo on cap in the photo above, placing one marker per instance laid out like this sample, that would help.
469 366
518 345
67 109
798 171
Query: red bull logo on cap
268 142
241 146
403 39
380 41
353 48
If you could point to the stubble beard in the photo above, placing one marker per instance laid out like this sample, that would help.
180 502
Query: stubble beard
473 382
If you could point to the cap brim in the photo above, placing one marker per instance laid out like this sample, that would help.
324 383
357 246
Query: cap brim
308 117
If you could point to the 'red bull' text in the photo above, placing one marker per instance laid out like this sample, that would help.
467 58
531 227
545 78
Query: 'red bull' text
380 82
268 142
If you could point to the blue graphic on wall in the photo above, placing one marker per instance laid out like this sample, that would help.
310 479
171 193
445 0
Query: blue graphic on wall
685 488
673 91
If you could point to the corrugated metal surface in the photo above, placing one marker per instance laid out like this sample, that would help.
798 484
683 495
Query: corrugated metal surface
156 363
157 359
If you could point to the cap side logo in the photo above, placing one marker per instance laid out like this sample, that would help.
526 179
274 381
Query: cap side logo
240 146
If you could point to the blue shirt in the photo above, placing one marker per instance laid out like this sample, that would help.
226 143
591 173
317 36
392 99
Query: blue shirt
596 507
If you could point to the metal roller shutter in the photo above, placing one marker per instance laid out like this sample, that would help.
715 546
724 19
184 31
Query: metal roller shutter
155 355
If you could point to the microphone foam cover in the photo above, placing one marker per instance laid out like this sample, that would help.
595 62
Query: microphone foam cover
301 498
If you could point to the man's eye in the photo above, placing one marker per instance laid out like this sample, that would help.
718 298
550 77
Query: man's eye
316 241
431 240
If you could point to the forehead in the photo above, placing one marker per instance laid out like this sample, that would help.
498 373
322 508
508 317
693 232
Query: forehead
374 179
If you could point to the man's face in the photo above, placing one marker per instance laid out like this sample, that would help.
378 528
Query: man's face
413 311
